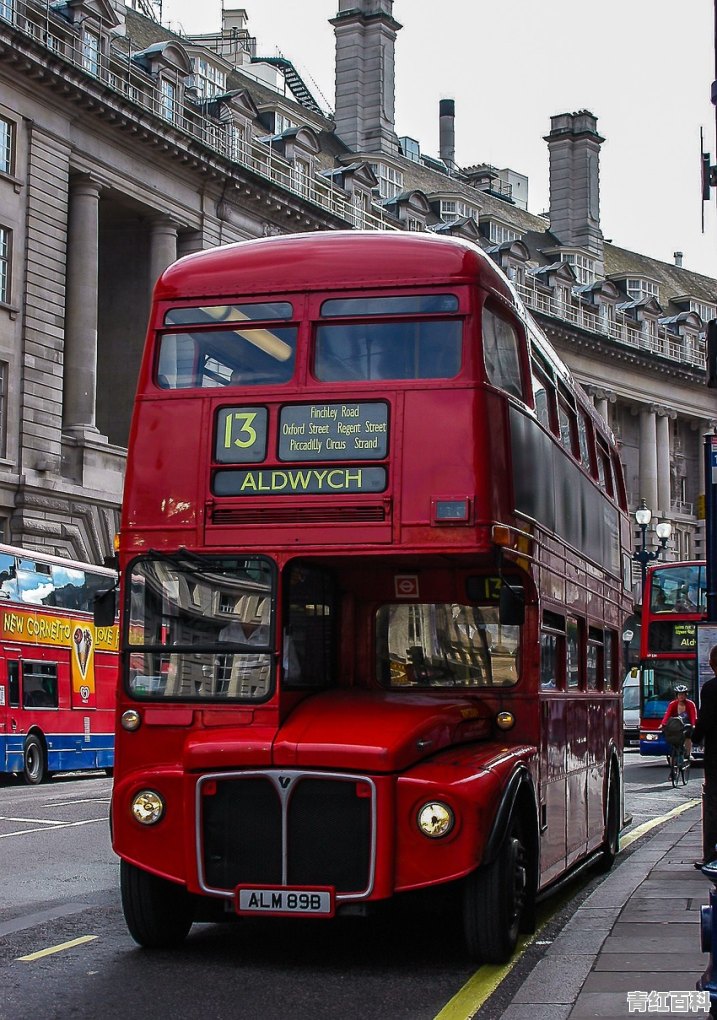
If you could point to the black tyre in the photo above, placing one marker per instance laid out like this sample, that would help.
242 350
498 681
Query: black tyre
158 913
611 843
685 773
34 761
494 901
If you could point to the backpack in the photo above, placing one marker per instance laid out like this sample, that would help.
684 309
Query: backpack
673 730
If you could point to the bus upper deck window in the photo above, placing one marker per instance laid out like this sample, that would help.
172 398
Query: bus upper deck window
401 349
207 315
250 356
500 353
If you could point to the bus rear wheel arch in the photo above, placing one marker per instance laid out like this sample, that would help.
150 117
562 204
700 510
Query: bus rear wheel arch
34 760
158 913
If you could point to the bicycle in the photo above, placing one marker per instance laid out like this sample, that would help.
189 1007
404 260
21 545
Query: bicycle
675 732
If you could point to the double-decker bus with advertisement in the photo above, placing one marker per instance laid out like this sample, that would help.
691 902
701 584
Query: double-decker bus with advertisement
57 670
374 567
673 603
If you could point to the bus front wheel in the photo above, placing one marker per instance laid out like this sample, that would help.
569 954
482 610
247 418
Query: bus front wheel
494 900
34 761
158 913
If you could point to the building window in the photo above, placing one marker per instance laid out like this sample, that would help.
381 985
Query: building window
7 146
3 416
4 265
452 210
390 181
415 225
583 266
208 80
90 42
637 288
705 312
6 8
300 176
235 142
499 234
168 99
282 123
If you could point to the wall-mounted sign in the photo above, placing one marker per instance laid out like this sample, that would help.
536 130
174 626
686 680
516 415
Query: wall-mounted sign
340 431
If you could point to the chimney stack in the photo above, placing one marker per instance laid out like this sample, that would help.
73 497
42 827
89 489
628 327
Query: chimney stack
678 255
365 33
574 149
447 132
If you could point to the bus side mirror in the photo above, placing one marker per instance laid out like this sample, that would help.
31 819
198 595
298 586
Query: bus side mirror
105 608
512 605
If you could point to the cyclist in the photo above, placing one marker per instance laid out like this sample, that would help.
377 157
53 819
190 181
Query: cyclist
682 708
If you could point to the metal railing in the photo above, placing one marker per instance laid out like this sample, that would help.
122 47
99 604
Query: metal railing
660 341
116 69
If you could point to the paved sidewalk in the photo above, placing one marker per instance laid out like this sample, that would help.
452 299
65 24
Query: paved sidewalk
638 931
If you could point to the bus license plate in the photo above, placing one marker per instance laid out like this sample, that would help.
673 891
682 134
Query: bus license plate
283 901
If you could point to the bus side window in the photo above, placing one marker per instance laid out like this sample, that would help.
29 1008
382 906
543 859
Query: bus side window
552 652
13 679
544 397
39 685
574 670
501 353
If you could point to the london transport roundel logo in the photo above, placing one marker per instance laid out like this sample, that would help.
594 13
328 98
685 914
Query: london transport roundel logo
406 586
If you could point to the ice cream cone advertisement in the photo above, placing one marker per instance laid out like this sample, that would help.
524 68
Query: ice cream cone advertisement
83 664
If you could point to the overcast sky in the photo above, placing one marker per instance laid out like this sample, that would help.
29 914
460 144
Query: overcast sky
643 67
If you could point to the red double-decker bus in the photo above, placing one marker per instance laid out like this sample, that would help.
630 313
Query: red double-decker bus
58 672
673 603
373 562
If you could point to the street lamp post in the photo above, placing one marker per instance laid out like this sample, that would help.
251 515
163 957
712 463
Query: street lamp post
643 555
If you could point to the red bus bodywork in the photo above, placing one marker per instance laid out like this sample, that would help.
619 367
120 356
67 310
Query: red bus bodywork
390 776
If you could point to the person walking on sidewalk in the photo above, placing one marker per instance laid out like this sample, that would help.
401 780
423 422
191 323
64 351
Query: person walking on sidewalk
705 733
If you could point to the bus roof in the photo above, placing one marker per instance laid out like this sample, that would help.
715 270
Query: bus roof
329 260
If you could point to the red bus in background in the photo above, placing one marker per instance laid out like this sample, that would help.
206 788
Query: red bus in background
373 557
57 671
674 602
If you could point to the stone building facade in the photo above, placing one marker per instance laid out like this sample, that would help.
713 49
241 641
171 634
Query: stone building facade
124 146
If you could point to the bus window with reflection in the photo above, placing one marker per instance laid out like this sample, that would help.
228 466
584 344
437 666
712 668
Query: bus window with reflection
500 353
445 645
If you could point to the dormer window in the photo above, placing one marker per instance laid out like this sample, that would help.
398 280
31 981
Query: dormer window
282 123
168 99
638 288
705 311
452 210
583 266
301 176
498 233
236 141
90 42
208 79
390 180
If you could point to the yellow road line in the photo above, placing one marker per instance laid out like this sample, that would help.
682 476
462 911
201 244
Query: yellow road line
626 841
474 993
56 949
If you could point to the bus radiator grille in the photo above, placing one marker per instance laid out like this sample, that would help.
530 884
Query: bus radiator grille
327 823
303 515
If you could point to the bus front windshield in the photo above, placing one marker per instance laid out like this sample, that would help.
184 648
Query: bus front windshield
678 589
445 645
199 629
658 684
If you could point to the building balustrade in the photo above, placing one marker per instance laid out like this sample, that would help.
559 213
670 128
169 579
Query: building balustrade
661 341
116 69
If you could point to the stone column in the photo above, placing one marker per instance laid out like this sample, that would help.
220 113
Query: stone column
80 364
648 456
162 248
662 436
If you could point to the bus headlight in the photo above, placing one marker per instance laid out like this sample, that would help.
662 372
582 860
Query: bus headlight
435 819
147 807
131 720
